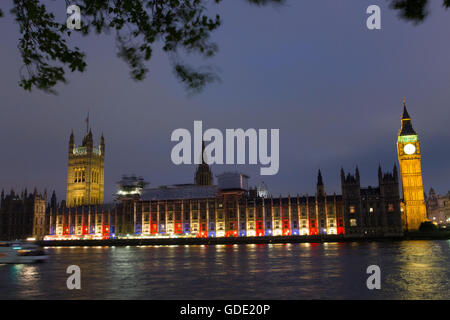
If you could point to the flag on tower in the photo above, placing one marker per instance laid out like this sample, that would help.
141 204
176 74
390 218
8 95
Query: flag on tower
87 123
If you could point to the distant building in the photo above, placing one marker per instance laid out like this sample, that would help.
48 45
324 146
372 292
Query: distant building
23 215
372 211
231 210
438 207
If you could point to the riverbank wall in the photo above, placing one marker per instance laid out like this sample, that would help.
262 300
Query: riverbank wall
242 240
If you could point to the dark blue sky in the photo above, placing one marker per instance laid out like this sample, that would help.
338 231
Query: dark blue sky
310 68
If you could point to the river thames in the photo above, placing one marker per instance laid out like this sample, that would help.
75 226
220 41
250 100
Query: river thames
409 270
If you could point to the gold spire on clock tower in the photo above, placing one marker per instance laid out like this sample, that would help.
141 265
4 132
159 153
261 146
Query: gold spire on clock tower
409 158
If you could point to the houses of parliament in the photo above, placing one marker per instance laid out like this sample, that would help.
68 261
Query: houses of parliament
228 208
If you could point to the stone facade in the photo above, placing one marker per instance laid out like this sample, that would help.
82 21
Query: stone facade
23 215
85 172
438 207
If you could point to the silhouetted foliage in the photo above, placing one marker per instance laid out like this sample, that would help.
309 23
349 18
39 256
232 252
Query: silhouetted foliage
427 226
414 10
182 26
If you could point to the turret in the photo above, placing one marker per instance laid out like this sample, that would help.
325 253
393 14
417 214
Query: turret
53 200
88 141
203 175
320 186
395 173
102 145
71 143
357 175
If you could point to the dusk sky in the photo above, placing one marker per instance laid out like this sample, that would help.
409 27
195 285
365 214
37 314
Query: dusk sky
310 68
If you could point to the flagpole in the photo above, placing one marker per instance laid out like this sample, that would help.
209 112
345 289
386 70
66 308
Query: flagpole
87 123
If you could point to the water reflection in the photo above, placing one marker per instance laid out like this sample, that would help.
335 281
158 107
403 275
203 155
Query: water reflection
410 270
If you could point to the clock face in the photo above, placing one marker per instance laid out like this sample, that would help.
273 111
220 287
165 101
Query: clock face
409 148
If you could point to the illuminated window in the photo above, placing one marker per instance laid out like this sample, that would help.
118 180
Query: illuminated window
352 209
352 222
391 207
370 209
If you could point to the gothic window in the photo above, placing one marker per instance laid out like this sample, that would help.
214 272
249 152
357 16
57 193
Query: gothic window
294 210
277 212
259 212
352 222
352 209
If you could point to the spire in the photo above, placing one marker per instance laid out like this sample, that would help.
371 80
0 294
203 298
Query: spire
357 174
395 172
88 140
203 175
405 112
53 200
406 129
380 172
71 142
320 186
319 179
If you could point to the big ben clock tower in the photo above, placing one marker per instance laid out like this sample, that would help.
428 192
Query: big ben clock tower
409 155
